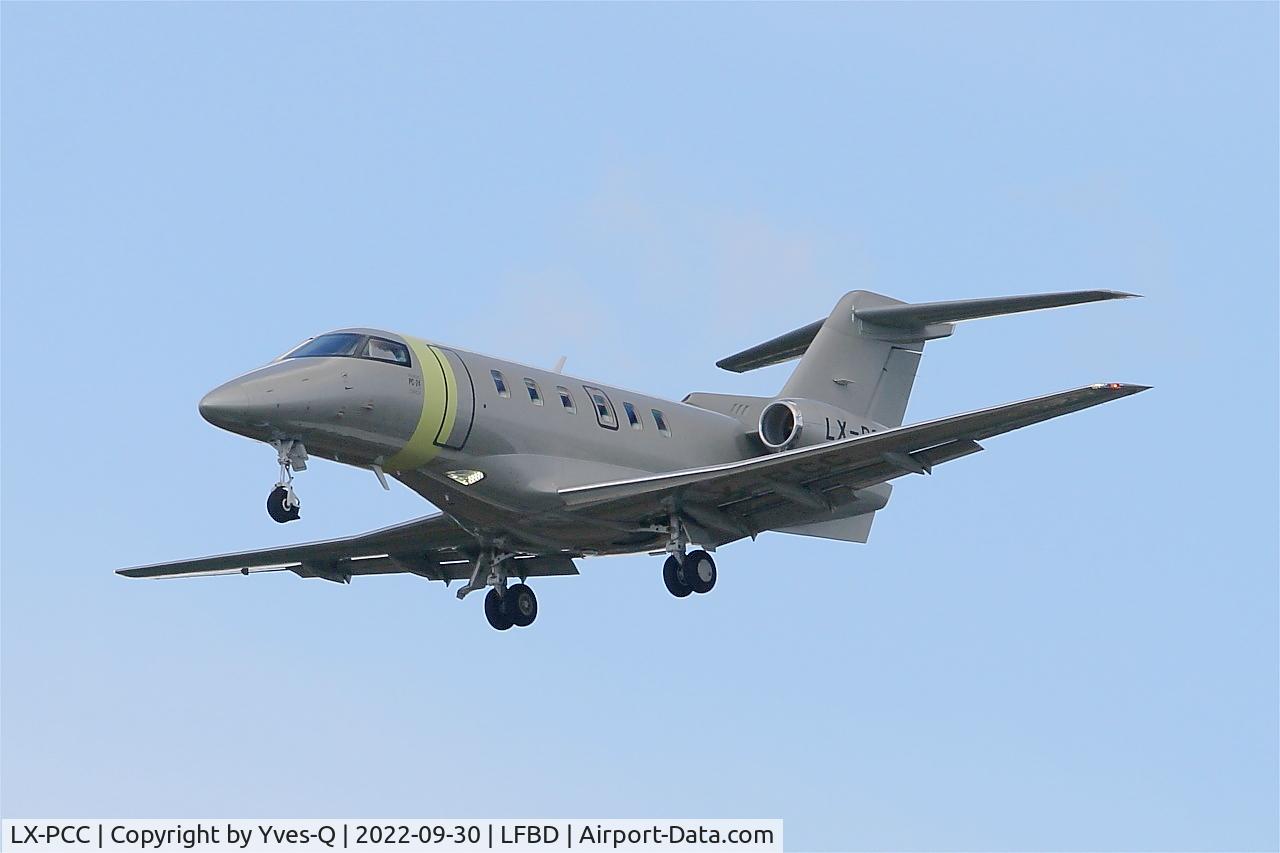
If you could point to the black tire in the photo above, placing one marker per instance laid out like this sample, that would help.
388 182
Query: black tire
700 571
521 605
495 612
673 577
276 508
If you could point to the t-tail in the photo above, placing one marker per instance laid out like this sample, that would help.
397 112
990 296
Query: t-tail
863 357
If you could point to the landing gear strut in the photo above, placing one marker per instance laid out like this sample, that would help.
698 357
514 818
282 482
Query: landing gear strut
504 606
283 504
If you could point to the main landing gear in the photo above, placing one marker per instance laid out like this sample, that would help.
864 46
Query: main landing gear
516 605
283 504
686 573
504 606
692 572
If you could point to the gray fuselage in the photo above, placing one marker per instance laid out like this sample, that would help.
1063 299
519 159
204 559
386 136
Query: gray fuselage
431 415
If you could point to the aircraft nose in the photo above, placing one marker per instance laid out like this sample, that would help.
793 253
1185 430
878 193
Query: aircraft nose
225 405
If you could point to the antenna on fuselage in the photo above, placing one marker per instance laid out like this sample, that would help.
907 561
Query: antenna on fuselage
559 368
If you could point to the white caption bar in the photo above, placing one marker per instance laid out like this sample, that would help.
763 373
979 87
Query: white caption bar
258 836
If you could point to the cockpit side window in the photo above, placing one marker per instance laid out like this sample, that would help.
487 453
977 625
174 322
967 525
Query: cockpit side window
342 343
381 349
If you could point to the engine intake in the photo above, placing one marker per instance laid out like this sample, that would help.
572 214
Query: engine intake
780 425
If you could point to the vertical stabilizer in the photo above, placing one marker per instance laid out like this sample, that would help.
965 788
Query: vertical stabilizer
857 367
863 357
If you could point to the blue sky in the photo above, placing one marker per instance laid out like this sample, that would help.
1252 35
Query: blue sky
1068 641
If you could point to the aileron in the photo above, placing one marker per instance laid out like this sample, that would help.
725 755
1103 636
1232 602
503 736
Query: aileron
330 559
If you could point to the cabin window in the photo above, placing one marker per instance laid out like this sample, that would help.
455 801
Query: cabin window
327 345
566 400
632 417
535 396
499 383
380 349
661 422
604 409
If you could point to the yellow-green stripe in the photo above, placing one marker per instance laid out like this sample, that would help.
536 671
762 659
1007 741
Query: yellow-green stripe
439 409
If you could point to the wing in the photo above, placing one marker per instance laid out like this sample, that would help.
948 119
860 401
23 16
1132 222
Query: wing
433 547
739 499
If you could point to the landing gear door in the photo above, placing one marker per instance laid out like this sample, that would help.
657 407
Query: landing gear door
461 403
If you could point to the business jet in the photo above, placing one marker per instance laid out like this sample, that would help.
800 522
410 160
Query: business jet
534 469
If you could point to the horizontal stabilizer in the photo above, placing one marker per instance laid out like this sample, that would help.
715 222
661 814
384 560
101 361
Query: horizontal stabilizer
920 315
780 349
903 322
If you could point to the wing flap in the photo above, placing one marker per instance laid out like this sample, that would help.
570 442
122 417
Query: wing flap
452 570
854 529
342 571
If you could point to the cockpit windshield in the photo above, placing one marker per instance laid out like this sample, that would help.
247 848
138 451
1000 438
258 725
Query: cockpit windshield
327 345
349 344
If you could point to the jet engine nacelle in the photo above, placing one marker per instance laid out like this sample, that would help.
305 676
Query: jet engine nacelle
797 422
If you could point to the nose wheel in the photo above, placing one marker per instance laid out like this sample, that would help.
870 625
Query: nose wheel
283 504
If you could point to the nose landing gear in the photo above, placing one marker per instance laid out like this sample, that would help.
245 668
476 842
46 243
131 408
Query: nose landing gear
283 504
